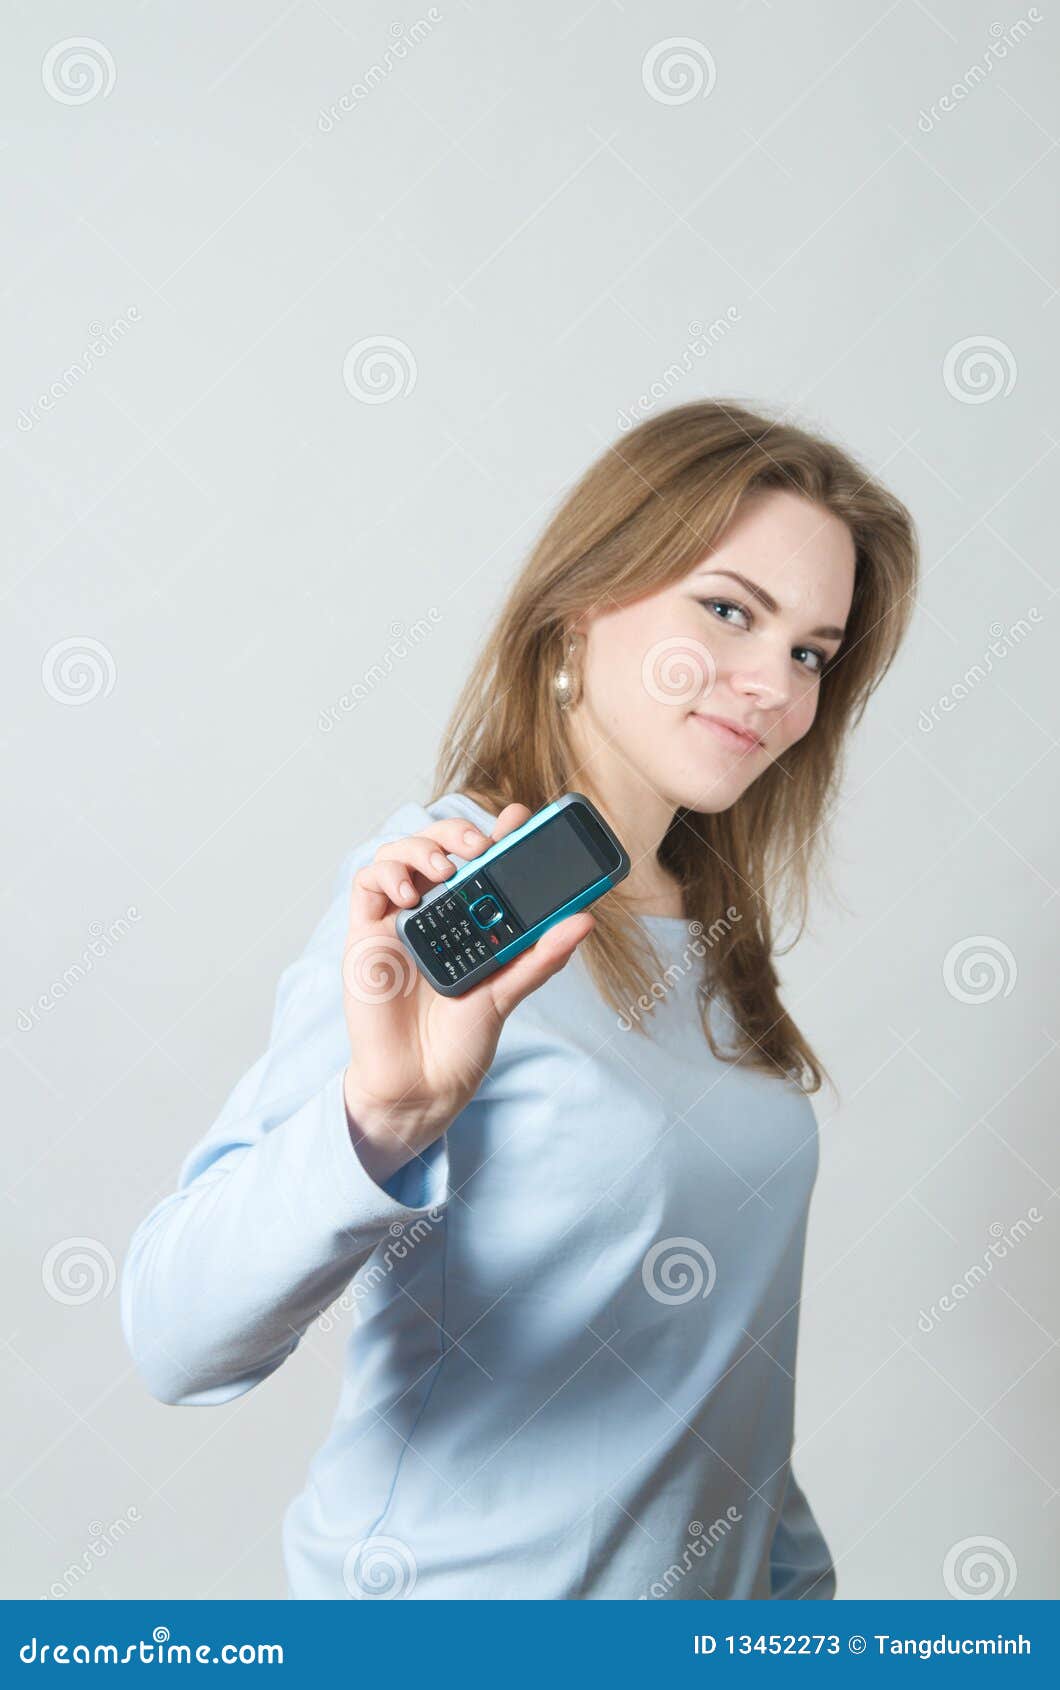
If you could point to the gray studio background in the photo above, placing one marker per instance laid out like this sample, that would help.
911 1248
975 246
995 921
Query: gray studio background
223 514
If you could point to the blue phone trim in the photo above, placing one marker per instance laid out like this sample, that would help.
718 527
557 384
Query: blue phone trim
532 934
471 868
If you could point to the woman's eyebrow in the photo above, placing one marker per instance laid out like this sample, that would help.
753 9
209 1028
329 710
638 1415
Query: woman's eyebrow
770 603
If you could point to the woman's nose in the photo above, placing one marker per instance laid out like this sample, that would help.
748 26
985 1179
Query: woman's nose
767 681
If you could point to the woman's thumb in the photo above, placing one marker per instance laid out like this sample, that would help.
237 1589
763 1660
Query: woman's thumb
519 978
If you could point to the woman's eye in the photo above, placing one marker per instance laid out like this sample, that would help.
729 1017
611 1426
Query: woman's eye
737 616
816 658
722 608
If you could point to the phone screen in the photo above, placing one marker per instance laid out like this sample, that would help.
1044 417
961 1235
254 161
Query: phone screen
552 864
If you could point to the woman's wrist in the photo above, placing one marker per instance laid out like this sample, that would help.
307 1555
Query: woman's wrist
380 1148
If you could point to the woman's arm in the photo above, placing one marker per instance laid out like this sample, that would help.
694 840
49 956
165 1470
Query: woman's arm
800 1563
274 1211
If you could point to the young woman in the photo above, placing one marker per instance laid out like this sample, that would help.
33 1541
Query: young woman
570 1206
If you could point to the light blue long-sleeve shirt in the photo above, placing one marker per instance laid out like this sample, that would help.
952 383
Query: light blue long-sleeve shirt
570 1368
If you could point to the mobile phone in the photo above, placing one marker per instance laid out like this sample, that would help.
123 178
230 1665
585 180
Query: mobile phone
500 902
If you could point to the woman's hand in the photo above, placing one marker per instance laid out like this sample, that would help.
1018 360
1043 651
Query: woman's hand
418 1057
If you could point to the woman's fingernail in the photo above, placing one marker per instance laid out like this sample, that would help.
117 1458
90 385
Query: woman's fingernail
471 838
439 862
405 889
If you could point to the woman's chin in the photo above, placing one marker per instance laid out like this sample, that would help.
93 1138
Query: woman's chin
707 788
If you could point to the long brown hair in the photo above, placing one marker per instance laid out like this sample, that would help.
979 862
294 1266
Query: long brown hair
641 517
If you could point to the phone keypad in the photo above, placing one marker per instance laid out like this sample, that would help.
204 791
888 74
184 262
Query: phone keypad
456 942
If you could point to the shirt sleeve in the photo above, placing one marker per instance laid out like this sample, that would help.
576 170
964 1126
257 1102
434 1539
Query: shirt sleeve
800 1563
274 1211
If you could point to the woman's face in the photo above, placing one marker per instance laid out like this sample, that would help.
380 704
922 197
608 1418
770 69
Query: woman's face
697 688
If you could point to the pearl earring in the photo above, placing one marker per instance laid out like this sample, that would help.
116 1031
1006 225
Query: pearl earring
567 679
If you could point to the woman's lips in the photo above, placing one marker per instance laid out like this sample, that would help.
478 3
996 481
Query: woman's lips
738 739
